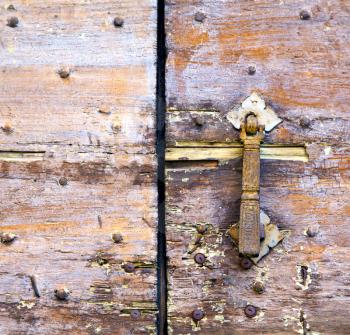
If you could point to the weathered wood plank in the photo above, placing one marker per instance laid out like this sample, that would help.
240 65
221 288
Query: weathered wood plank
219 53
77 164
301 65
296 196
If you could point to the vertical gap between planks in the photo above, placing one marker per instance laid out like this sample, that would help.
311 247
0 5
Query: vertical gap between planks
161 109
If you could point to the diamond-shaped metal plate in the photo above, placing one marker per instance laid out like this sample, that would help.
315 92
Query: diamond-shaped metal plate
254 104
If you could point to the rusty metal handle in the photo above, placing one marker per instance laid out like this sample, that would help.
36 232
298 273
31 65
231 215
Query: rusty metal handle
250 230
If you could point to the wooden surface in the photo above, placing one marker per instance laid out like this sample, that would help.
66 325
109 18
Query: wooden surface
96 129
303 72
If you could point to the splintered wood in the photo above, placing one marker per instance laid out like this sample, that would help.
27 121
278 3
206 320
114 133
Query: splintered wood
77 164
294 54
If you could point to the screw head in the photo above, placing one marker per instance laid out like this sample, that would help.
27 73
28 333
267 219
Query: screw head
118 22
129 267
135 314
201 229
64 73
259 287
304 15
251 70
199 258
199 17
63 181
117 238
250 311
197 315
7 238
12 22
245 263
62 293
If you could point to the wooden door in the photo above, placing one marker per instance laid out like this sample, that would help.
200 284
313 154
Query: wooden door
295 55
77 165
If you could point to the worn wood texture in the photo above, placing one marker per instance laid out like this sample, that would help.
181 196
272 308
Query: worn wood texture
77 164
303 72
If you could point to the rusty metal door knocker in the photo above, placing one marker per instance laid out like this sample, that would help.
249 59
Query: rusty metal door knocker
252 118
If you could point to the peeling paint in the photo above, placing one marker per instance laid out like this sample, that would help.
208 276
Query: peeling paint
219 318
12 156
25 304
298 321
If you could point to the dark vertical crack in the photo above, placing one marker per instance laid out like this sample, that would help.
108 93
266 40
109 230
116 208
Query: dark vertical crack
161 108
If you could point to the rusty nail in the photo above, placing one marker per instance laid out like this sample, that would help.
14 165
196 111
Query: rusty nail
117 238
118 22
197 315
34 285
62 293
304 15
129 267
259 287
7 238
251 70
199 17
63 181
201 229
11 7
7 128
64 73
245 263
305 122
250 311
312 231
135 314
12 22
199 121
199 258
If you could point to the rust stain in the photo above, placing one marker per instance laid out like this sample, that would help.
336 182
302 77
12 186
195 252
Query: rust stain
189 39
283 135
293 97
314 205
234 42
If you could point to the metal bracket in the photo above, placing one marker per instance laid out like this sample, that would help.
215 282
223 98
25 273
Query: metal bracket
254 104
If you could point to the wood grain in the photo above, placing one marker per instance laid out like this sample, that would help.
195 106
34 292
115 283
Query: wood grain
77 164
303 73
